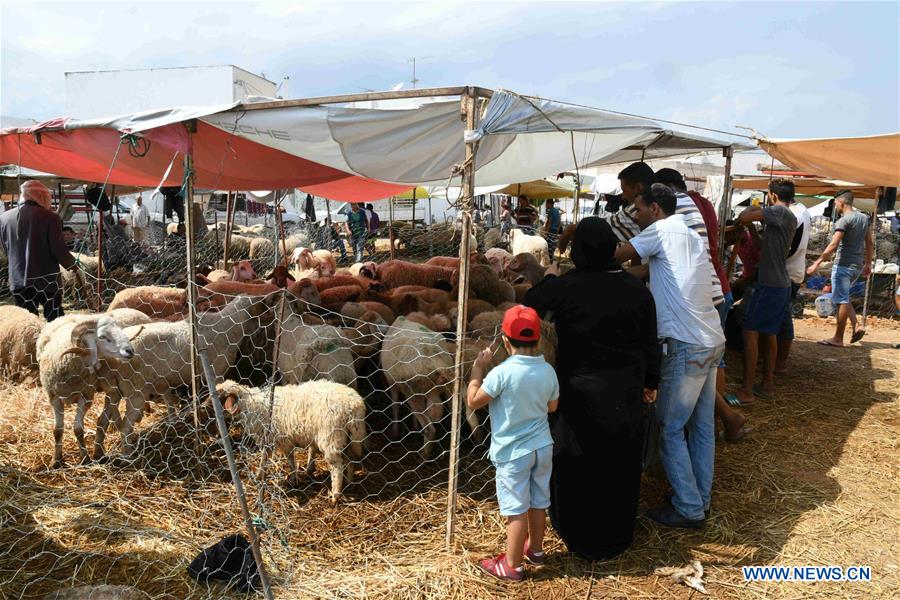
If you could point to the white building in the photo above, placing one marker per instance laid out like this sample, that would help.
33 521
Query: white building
92 94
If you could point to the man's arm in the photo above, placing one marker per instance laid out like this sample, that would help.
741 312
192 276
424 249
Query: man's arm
749 215
829 250
625 252
57 245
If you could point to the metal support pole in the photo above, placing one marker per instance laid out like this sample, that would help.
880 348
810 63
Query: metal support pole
430 228
192 272
868 294
725 205
235 476
99 259
280 221
469 104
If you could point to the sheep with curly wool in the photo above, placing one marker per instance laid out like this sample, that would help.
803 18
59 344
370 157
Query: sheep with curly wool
320 416
520 242
73 354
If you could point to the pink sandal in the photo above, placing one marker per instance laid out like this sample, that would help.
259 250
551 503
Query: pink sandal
501 570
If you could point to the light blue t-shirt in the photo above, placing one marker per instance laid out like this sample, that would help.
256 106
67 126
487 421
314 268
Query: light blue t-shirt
521 388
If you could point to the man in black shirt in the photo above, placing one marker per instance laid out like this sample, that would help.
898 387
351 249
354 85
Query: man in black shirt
32 237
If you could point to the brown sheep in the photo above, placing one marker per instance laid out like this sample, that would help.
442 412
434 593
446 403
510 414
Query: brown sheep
154 301
483 284
341 293
395 273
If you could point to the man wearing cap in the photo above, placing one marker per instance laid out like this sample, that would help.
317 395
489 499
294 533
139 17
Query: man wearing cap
519 393
32 238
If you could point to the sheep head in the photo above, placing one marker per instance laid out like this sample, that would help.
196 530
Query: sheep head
280 276
230 395
243 271
369 269
98 338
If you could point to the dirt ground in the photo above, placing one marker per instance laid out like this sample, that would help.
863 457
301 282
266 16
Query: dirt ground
815 483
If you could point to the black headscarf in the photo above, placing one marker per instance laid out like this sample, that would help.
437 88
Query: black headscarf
594 246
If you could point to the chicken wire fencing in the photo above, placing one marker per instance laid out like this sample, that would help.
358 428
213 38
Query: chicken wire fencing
336 387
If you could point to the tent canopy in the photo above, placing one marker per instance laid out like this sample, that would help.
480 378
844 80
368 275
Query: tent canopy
808 186
872 160
341 152
542 189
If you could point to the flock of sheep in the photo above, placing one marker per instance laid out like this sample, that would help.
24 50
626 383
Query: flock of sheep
392 323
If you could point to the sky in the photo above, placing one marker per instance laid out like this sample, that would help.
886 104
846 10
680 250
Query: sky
786 69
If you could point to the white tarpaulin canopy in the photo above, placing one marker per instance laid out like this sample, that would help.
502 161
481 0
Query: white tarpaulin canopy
343 152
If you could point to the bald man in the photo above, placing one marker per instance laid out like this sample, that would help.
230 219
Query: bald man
32 238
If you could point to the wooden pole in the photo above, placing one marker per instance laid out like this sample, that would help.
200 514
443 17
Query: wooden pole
229 225
280 221
868 294
225 438
469 104
725 205
99 259
430 228
192 272
391 224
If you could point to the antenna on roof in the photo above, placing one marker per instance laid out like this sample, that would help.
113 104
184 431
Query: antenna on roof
413 59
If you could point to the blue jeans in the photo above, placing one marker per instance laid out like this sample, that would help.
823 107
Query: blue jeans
723 309
686 403
842 278
359 245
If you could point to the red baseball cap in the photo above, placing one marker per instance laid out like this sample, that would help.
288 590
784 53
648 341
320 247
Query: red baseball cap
522 324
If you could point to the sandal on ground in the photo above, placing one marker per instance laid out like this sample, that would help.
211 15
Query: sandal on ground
733 439
857 335
499 569
732 400
829 343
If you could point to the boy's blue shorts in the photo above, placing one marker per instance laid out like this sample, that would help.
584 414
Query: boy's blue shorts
524 482
768 309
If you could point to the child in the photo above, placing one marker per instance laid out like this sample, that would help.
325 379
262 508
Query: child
519 394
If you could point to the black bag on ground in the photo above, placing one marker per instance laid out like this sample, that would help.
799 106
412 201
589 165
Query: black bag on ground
229 560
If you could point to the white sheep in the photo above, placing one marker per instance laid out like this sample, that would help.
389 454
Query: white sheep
163 361
69 352
418 366
19 330
519 242
261 248
311 352
321 416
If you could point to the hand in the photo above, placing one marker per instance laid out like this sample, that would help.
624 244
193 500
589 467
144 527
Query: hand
813 268
649 396
553 269
484 357
867 270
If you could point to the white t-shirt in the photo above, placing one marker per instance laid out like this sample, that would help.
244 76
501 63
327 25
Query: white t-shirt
681 282
796 262
140 216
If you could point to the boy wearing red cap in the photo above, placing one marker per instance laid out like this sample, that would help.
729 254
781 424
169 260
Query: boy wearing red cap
519 393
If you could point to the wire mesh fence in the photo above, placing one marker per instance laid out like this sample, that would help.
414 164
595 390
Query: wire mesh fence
335 376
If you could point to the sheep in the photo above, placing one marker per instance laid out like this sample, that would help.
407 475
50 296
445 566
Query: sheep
492 239
163 364
444 261
383 310
341 294
487 326
432 322
483 284
128 317
395 273
69 354
19 330
261 248
280 277
520 242
400 304
322 260
321 416
240 271
238 248
364 335
474 307
364 269
521 289
218 293
306 291
154 301
310 352
498 258
524 268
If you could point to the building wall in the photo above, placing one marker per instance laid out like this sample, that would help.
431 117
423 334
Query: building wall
91 94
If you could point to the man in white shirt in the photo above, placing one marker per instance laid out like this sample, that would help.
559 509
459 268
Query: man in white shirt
796 265
693 343
140 222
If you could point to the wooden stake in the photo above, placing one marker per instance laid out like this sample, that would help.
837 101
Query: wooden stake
725 205
280 220
868 293
391 224
229 225
459 386
99 258
192 277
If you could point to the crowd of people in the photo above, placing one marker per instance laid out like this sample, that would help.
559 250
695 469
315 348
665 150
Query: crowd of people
628 350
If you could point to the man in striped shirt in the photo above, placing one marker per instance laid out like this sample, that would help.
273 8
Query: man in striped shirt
633 179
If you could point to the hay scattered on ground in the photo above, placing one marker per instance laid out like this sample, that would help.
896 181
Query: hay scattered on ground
815 483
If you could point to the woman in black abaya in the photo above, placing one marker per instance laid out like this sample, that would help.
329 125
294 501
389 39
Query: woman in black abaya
607 363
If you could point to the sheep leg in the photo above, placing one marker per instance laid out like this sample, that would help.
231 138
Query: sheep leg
421 412
335 462
102 424
133 414
58 428
79 430
395 407
310 461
